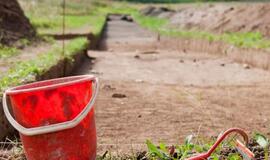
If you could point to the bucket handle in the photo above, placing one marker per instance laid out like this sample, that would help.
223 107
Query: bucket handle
53 127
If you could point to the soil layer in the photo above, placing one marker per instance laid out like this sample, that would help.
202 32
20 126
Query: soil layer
150 91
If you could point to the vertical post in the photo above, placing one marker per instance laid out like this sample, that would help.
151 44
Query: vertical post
63 32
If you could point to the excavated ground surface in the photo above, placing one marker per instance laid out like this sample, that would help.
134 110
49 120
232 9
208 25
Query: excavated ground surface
151 92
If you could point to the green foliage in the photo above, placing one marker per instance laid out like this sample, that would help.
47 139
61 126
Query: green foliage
263 142
160 153
197 145
24 42
234 156
47 39
184 151
6 51
46 16
152 23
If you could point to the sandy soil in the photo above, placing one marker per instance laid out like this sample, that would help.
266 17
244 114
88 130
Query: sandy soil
167 95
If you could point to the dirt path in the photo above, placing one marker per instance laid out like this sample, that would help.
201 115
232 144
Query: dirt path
167 95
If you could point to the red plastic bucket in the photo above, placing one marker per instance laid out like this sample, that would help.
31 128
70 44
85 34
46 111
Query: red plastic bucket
55 118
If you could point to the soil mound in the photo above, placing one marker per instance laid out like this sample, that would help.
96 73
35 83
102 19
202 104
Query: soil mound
13 23
161 12
245 17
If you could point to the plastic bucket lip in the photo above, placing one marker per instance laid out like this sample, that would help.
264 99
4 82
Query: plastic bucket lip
42 85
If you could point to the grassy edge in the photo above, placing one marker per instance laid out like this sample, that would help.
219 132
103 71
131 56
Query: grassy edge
254 40
6 51
28 70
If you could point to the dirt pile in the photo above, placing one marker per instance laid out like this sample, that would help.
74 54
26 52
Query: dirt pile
13 23
245 17
161 12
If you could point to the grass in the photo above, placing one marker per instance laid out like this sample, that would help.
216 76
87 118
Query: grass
46 16
240 39
193 145
6 51
186 150
27 70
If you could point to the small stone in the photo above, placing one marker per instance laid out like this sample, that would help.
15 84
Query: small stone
222 64
194 60
137 57
108 87
95 72
119 95
141 155
182 61
149 52
127 18
138 80
139 116
246 66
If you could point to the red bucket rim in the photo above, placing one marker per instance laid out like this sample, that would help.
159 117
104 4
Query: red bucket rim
41 85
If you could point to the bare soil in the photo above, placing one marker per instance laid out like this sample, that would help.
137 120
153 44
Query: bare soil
159 93
219 17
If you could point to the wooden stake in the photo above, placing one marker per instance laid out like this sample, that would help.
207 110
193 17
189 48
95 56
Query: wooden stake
63 32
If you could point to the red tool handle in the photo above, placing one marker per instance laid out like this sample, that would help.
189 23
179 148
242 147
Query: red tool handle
220 139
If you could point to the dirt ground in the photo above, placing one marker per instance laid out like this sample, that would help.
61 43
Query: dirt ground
150 92
219 17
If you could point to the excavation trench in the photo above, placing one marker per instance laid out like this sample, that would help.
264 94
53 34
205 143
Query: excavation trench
155 88
150 90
